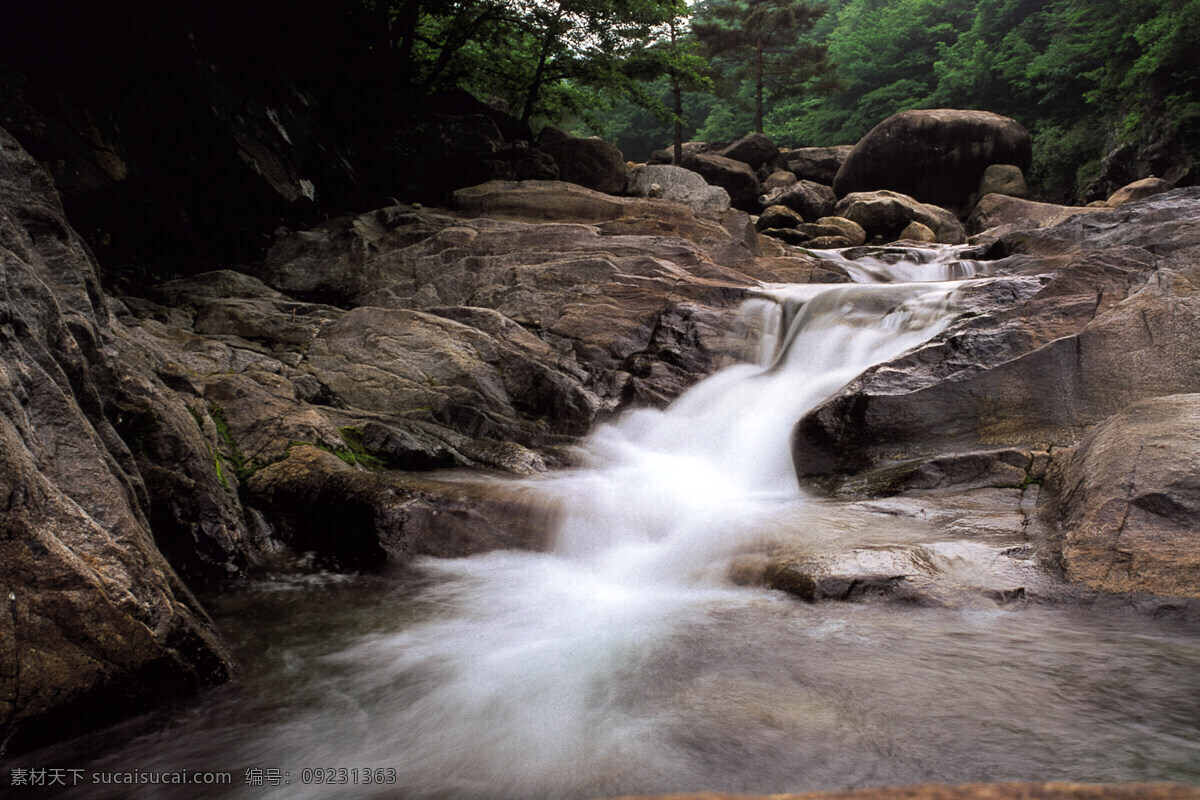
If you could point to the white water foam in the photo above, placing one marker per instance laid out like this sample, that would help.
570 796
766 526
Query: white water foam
522 689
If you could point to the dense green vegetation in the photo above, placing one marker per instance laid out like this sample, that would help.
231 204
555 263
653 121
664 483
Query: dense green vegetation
1082 75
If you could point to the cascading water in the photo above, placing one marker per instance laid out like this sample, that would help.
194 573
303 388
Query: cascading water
624 661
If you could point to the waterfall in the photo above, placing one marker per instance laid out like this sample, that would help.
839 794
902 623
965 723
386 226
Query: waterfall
525 685
625 661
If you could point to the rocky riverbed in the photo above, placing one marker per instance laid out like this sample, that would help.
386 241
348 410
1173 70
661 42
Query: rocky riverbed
345 404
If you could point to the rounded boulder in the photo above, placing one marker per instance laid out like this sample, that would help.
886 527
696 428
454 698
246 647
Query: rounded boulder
935 155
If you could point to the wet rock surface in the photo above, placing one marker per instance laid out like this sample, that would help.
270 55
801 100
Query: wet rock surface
96 622
1131 498
299 410
1010 396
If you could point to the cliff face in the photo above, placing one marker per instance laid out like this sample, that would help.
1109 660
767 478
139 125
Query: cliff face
96 624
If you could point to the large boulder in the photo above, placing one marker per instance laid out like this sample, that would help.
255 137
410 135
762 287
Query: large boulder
670 182
96 623
1130 500
817 164
592 162
735 177
996 210
937 156
810 200
1138 190
886 214
755 150
1115 321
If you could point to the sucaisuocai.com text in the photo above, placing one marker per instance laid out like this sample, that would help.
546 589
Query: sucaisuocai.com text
76 777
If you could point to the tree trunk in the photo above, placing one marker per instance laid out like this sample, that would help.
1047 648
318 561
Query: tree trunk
539 74
677 156
758 85
677 94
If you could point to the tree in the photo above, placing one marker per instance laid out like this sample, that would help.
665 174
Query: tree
765 41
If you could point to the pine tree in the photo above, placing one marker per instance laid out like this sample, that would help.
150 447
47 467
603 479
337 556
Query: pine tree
764 38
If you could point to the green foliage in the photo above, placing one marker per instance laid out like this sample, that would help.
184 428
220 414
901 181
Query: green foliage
547 59
763 42
356 452
1082 75
1077 73
242 467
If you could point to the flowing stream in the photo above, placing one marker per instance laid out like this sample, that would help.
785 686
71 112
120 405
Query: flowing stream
625 661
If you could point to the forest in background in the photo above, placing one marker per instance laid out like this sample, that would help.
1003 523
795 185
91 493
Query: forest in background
1084 76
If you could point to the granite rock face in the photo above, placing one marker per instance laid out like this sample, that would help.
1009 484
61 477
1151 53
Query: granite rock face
96 622
1071 383
1131 498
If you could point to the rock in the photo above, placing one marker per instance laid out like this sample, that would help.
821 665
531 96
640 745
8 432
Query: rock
916 232
378 517
937 156
828 242
1031 366
1004 179
395 361
96 624
469 331
778 217
735 177
592 163
810 235
1159 150
778 179
678 184
817 164
851 230
1130 498
995 210
810 200
851 576
756 150
1138 190
886 214
1162 224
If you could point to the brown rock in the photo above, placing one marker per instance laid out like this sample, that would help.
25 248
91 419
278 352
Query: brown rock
592 163
779 179
885 214
817 164
778 217
851 230
735 177
810 200
916 232
1005 179
1130 500
994 210
356 519
935 155
96 624
1138 190
755 150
